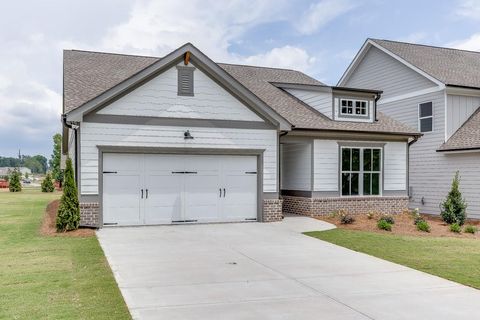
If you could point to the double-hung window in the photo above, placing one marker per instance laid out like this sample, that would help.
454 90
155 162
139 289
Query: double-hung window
351 107
361 171
425 117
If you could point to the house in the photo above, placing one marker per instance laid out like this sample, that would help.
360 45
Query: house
182 139
5 171
436 90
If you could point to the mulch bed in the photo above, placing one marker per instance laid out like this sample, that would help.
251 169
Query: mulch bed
48 224
404 226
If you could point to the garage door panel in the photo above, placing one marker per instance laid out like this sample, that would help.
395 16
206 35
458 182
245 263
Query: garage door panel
121 199
240 202
164 202
202 196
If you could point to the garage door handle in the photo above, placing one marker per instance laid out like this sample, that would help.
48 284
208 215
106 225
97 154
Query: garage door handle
142 193
220 189
146 193
224 192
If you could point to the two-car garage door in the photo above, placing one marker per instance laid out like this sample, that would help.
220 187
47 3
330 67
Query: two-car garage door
161 189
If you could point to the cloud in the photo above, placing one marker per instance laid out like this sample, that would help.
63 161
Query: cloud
415 37
472 43
287 57
321 13
469 9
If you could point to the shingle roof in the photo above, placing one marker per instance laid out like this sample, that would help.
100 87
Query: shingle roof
466 137
88 74
450 66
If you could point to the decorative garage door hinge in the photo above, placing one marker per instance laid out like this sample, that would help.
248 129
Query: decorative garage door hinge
109 171
184 172
251 172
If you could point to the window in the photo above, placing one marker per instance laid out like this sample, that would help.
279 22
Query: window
185 81
353 107
361 171
425 117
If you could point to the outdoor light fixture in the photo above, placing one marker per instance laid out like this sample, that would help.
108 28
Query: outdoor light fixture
187 135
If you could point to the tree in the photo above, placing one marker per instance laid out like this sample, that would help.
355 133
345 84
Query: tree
47 183
68 216
56 158
454 207
26 175
42 161
14 181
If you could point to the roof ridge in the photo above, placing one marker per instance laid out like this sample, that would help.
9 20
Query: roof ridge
114 53
425 45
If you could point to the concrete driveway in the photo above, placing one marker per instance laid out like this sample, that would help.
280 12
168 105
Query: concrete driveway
269 271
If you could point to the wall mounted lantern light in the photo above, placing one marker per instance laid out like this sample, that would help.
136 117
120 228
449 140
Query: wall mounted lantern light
187 135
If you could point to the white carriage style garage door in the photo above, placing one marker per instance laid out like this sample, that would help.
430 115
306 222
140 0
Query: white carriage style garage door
161 189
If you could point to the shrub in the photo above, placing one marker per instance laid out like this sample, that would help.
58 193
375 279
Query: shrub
418 219
382 224
347 219
47 183
470 229
14 181
371 215
423 226
68 217
455 227
388 218
454 207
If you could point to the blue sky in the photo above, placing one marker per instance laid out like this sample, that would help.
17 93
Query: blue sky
319 37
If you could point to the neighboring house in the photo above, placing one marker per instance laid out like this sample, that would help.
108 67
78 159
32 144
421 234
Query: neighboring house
5 171
184 139
436 90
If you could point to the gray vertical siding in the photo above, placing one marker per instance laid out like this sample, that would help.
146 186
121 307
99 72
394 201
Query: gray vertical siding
459 109
431 172
378 70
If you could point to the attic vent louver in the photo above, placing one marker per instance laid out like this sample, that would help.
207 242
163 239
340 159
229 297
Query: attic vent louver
185 81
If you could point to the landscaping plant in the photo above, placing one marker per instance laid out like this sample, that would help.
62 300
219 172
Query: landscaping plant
423 226
14 181
347 219
68 217
383 224
370 215
470 229
388 218
455 227
47 183
454 207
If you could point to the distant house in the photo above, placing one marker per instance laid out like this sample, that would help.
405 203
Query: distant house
4 171
436 90
183 139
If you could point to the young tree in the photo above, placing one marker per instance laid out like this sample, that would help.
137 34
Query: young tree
68 216
47 183
56 158
14 181
454 207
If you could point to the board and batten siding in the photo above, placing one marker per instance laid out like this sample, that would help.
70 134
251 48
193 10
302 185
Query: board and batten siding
395 166
158 98
380 71
320 101
296 166
107 134
459 109
431 172
325 165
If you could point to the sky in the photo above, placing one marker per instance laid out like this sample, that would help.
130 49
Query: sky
318 37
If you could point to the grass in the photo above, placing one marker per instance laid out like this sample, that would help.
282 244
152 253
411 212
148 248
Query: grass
455 259
51 277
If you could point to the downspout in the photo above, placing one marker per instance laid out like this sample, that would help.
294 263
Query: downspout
377 97
70 125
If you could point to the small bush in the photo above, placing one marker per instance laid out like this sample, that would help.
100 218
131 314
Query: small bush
47 183
418 219
371 215
423 226
68 216
347 219
388 218
455 227
14 181
454 208
470 229
382 224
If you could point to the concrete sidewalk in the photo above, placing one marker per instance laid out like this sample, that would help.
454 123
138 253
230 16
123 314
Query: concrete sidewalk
269 271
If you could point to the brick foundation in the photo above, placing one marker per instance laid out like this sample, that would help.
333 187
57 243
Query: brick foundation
89 214
353 205
272 210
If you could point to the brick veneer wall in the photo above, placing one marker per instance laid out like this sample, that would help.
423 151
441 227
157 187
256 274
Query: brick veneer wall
272 210
89 214
353 205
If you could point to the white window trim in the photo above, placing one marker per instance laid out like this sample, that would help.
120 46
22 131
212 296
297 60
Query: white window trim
354 115
360 172
420 118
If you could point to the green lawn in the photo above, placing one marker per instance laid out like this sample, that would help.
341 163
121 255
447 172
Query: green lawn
51 277
450 258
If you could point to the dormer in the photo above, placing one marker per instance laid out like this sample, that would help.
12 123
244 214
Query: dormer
336 103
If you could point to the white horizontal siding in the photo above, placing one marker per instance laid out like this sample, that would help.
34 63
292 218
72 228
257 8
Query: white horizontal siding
296 166
395 166
380 71
325 165
320 101
459 109
158 98
102 134
431 172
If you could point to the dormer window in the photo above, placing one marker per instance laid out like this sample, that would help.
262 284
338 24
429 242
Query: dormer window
351 107
185 81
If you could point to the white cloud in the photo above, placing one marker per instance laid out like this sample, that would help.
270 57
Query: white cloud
472 43
469 9
321 13
287 57
415 37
